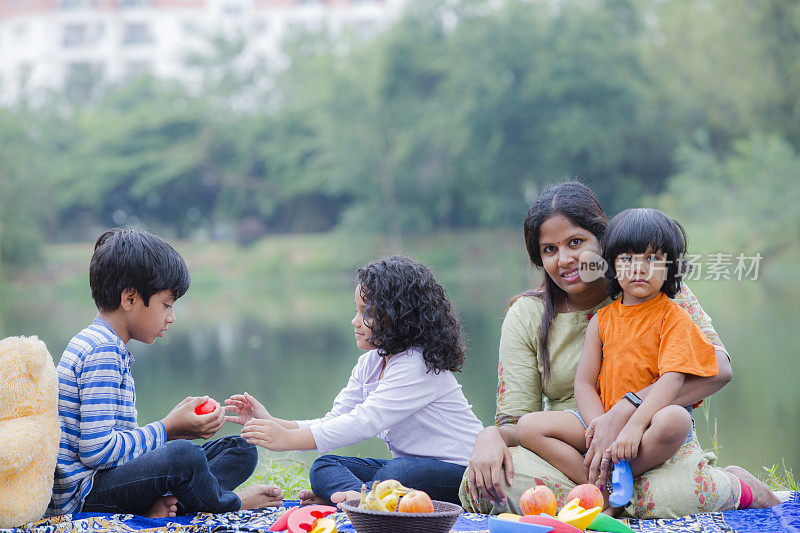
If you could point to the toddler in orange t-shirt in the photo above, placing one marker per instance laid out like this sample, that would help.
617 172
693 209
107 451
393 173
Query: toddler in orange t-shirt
642 338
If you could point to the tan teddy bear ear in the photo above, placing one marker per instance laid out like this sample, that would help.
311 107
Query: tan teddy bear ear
33 353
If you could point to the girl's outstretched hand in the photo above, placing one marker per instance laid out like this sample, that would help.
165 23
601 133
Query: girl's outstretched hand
246 408
267 434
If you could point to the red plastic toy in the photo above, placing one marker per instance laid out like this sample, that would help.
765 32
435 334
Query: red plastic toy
206 407
544 520
283 522
303 520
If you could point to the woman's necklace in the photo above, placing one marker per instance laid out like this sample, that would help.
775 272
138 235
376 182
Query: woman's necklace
566 302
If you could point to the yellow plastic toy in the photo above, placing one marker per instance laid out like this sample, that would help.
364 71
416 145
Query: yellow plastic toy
324 525
576 516
509 516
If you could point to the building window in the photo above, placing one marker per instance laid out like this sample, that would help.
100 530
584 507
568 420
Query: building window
136 34
233 10
134 3
76 4
83 80
75 35
137 68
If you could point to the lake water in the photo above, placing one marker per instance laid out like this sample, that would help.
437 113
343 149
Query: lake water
292 347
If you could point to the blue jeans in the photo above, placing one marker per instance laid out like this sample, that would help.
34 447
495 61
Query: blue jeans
335 473
201 477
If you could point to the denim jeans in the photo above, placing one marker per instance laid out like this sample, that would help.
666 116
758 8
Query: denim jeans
201 477
334 473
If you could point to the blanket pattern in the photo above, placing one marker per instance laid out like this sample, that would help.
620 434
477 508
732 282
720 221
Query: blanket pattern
782 518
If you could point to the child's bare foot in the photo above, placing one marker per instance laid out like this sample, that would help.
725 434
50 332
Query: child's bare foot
258 496
164 507
339 497
308 497
762 496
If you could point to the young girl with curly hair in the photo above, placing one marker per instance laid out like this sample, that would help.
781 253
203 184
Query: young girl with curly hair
402 390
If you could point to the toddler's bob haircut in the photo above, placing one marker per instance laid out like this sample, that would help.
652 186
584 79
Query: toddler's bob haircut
129 259
645 230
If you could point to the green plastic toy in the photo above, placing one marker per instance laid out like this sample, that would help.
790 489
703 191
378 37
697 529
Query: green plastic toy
603 522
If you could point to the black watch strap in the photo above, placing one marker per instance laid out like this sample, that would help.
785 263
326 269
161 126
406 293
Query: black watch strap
633 398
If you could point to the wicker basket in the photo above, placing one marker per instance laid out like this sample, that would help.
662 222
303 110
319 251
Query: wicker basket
440 520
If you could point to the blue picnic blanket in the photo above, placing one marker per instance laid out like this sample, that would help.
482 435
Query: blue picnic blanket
782 518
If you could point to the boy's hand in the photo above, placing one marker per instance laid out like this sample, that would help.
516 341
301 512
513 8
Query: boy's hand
246 408
626 447
267 434
183 423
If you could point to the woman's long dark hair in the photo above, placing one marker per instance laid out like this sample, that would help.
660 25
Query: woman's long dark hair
577 203
406 307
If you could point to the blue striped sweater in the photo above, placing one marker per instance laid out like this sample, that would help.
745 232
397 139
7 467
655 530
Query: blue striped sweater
97 409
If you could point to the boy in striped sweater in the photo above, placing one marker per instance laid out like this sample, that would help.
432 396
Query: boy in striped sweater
106 462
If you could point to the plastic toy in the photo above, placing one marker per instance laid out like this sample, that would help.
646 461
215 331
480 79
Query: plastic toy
502 525
206 407
324 525
304 520
575 515
622 484
282 522
510 516
603 522
545 520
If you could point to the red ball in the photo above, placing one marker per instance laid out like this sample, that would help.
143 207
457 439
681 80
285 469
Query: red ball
206 407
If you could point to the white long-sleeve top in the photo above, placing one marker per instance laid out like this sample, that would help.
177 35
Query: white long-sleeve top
416 412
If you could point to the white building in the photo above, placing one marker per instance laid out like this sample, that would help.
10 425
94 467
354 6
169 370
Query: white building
51 44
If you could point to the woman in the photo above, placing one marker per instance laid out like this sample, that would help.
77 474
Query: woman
540 345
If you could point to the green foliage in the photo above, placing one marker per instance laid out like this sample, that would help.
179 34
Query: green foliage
290 474
455 117
780 478
728 66
23 188
743 201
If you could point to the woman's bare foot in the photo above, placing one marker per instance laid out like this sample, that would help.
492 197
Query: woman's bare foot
308 497
762 496
339 497
258 496
164 507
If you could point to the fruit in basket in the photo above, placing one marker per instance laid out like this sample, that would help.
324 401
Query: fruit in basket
383 496
537 500
385 487
416 501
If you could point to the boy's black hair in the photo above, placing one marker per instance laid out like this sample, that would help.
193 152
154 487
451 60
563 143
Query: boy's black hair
639 230
406 307
129 259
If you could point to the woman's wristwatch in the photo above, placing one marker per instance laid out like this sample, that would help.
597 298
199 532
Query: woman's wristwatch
633 398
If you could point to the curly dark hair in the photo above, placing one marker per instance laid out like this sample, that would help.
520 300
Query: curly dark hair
406 307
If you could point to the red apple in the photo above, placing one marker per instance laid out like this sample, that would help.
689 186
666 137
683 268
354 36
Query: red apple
415 501
537 500
588 494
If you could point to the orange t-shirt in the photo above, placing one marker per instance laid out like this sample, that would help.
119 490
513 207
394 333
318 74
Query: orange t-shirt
642 342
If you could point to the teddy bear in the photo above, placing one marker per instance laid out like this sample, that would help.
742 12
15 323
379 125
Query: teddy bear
30 430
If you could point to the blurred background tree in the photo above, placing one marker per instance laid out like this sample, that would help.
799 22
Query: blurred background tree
454 118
